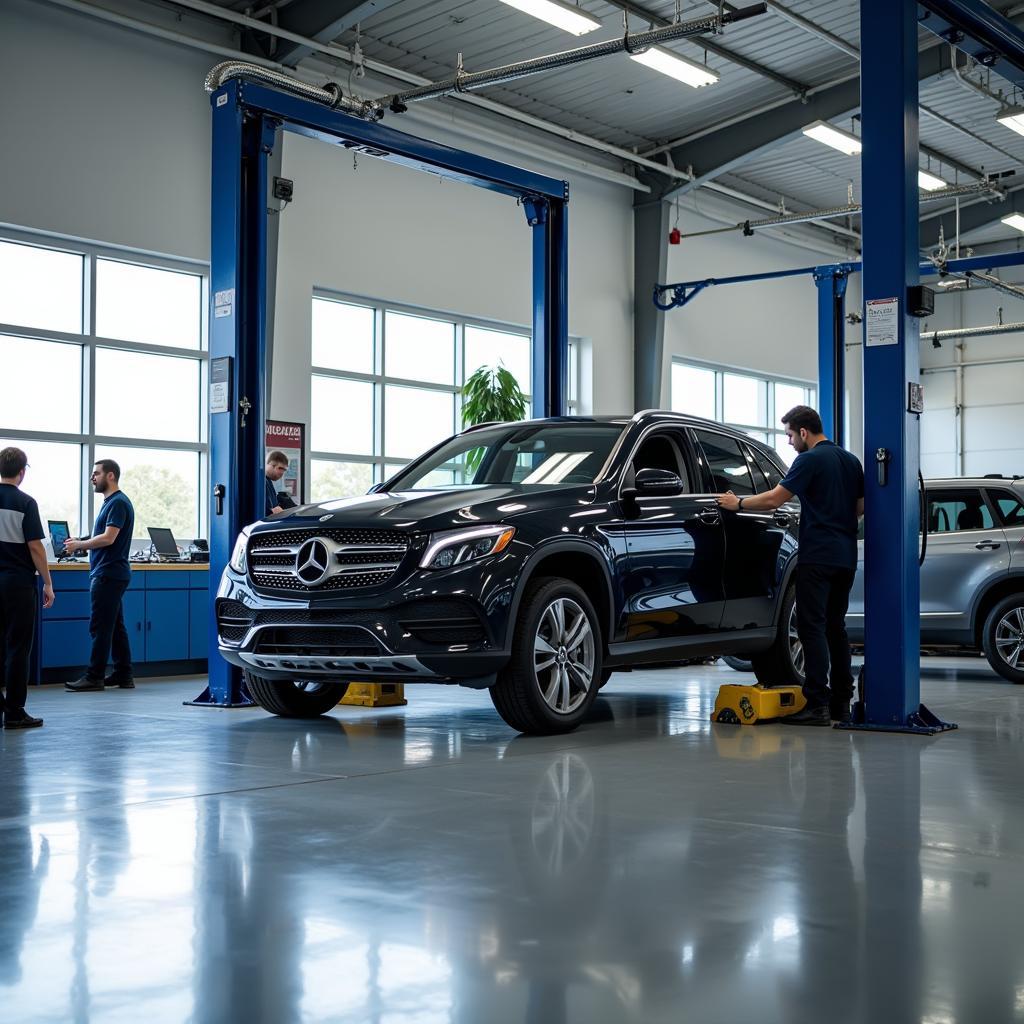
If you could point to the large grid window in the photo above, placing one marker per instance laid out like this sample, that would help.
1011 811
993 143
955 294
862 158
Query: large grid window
104 356
748 402
386 383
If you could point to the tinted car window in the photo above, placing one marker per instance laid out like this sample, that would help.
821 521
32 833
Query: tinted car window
1011 509
660 451
729 470
769 469
956 510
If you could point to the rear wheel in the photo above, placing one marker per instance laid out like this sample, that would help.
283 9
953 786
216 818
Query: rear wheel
1002 638
555 670
739 664
295 699
783 663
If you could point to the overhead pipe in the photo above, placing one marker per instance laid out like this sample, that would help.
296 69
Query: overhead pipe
637 42
974 332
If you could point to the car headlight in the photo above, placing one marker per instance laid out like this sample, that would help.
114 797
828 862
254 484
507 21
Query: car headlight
237 560
455 547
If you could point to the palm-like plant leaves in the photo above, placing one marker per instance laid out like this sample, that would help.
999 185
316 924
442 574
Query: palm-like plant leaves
491 394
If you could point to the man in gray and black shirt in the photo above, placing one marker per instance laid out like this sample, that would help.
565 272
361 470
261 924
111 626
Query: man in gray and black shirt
21 556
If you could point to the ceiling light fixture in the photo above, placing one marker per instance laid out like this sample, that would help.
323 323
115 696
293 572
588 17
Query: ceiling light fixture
679 68
822 131
1012 118
1015 220
929 182
561 15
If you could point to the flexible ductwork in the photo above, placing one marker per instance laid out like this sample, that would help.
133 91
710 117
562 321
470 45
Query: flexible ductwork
635 43
329 94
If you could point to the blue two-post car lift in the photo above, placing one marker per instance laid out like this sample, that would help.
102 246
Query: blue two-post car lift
890 267
247 121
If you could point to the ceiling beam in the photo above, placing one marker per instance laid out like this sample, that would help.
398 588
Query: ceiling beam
324 21
722 151
704 43
978 214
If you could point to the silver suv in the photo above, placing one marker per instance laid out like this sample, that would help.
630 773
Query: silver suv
972 579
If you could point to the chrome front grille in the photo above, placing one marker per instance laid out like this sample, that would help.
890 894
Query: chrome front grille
357 558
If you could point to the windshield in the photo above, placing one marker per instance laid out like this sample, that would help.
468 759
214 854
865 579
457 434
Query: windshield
541 455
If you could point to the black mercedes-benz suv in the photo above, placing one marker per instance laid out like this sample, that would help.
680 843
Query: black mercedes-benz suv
532 559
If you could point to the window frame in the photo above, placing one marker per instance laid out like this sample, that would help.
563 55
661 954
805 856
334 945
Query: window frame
384 466
771 428
986 503
89 342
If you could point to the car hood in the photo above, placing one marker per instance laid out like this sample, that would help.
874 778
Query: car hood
443 509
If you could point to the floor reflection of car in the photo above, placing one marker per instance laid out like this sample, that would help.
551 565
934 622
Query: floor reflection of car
972 578
531 559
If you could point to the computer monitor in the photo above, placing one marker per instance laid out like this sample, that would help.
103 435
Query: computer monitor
164 542
59 532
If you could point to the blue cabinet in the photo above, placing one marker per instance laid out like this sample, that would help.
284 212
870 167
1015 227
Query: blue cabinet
166 615
198 622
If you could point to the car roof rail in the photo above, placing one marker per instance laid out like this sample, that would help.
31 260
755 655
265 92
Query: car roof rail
995 476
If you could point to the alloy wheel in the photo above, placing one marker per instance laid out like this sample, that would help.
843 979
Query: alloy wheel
564 655
1010 638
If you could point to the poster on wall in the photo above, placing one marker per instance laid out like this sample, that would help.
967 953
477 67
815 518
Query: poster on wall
289 439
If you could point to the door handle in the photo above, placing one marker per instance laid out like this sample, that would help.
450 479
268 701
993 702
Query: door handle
783 518
709 516
987 545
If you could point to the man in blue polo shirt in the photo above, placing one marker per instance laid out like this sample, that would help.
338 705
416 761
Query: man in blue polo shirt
829 482
109 576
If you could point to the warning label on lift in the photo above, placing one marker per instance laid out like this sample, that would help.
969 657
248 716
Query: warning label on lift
882 320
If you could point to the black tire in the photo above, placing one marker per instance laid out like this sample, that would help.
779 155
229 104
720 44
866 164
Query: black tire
1002 638
518 695
298 699
782 663
739 664
606 674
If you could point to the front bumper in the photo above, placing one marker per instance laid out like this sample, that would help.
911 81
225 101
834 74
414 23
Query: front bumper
446 626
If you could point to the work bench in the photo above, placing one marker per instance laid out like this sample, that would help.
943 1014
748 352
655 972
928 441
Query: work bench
166 613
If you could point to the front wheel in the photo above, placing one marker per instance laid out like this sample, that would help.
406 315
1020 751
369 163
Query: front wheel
295 699
783 663
555 669
1002 638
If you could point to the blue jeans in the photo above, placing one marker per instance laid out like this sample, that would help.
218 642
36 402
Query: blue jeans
106 627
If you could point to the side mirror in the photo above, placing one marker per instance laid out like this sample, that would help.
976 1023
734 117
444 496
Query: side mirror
658 482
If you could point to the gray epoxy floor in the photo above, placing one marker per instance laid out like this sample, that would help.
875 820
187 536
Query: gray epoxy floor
423 864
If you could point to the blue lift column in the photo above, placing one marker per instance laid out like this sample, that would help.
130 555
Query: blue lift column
889 162
549 221
831 283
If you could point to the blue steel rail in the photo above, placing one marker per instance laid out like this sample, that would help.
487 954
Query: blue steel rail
247 121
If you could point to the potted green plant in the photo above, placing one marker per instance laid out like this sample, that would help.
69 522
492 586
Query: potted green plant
491 394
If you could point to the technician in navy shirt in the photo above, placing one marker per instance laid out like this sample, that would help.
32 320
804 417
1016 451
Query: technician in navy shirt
275 468
21 555
829 482
109 576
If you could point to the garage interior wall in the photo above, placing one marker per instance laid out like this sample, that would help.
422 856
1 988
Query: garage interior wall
115 148
988 434
766 326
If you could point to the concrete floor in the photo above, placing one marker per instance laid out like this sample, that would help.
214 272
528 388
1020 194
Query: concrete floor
161 863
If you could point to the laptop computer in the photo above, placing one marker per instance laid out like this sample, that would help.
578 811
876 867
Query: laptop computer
59 532
164 544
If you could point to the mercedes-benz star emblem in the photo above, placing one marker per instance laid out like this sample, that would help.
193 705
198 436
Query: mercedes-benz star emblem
312 562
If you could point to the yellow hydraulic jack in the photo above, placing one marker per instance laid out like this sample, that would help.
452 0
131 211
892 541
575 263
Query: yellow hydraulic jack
738 704
375 695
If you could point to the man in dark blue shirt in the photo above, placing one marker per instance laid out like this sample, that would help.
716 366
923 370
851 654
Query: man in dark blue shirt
829 482
110 572
21 556
276 467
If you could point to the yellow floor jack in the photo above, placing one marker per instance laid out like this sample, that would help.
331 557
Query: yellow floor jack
741 704
375 695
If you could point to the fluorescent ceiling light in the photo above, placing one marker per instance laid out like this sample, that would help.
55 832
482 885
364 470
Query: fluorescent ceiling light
679 68
1015 220
563 16
1012 118
822 131
929 182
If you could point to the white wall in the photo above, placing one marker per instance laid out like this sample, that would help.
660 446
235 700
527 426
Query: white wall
770 326
386 232
987 434
104 133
